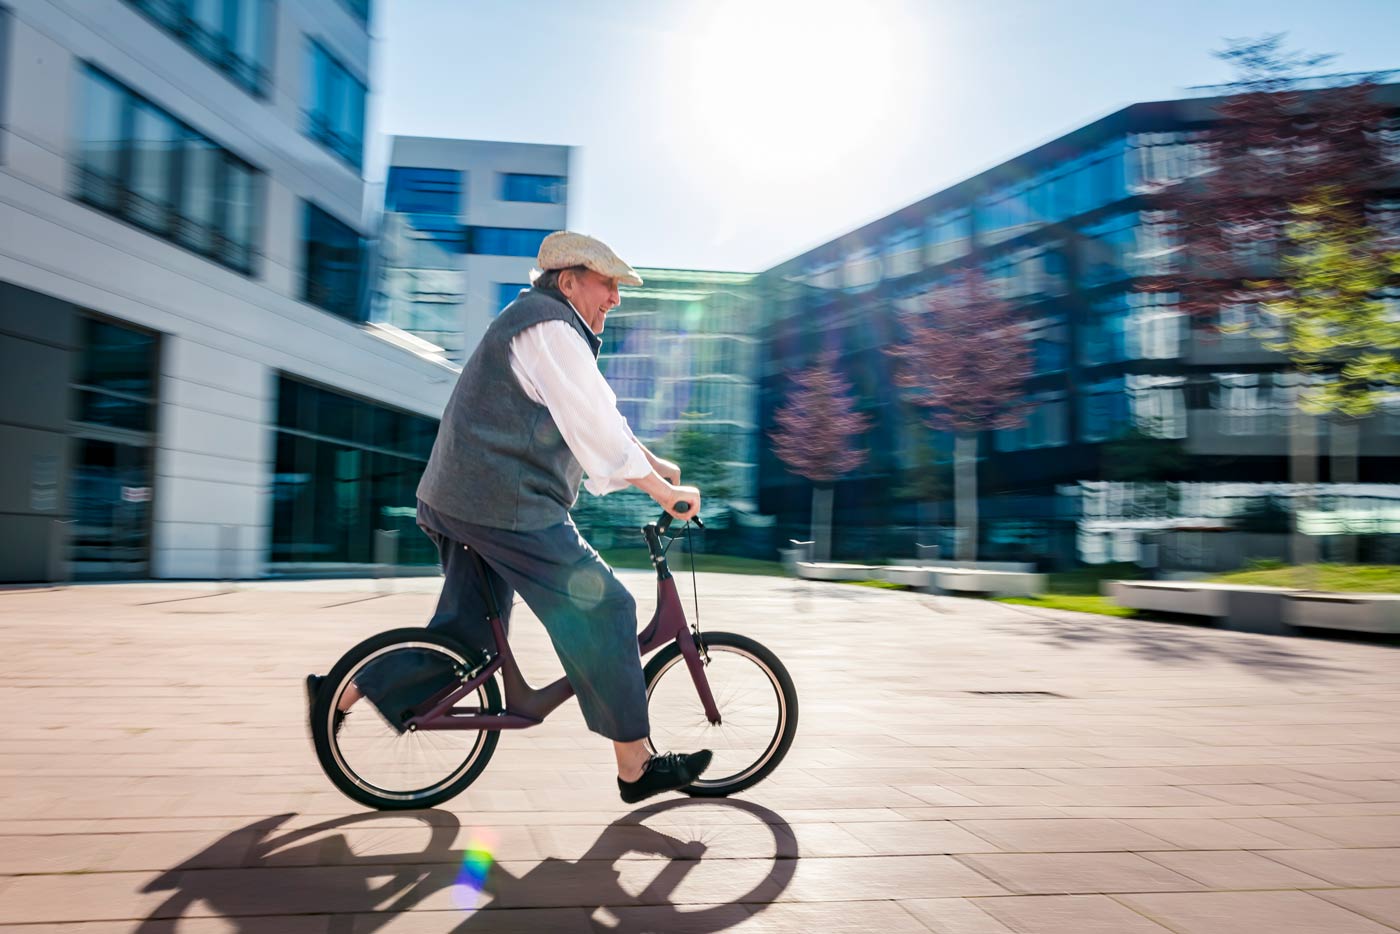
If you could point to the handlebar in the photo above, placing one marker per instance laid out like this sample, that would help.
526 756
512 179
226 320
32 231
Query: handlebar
664 522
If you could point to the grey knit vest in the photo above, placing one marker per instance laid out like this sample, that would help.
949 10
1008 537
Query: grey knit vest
499 460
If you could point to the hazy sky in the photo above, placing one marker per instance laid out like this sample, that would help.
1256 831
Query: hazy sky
734 134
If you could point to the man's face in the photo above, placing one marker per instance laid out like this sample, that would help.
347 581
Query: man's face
593 294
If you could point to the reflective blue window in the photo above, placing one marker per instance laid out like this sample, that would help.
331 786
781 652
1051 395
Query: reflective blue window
423 191
545 189
505 241
141 164
335 106
507 292
232 35
334 262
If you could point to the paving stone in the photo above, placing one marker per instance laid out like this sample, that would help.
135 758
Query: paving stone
1072 873
1232 869
1381 905
1344 867
1068 914
1275 912
1063 835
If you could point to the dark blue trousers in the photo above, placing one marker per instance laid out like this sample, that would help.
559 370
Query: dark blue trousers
589 616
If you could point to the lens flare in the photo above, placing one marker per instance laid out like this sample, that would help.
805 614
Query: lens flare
471 878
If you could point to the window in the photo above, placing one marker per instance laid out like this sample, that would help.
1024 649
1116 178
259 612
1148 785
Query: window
903 250
1158 160
1046 425
949 236
335 106
544 189
333 265
1252 404
345 469
505 241
116 376
139 163
231 35
424 191
432 241
1129 246
507 292
1133 326
861 270
1158 405
1103 410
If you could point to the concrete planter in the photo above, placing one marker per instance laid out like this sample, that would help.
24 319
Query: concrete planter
1355 612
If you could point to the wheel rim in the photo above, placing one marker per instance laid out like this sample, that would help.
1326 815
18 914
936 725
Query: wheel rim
753 714
411 765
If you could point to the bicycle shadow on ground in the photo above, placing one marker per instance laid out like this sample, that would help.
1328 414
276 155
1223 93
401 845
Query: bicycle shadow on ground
262 881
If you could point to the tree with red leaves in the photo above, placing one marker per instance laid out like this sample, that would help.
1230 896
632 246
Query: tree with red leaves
814 439
966 364
1277 219
1273 146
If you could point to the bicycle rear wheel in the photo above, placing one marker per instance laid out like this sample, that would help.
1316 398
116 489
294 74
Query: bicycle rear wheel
369 756
757 706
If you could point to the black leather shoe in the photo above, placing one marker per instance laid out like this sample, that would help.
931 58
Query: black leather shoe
665 773
313 690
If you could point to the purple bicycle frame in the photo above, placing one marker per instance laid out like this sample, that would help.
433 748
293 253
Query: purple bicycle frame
527 706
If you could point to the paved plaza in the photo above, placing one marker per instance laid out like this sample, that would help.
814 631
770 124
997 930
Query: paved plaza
157 778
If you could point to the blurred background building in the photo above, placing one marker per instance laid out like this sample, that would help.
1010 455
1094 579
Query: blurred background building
681 352
1124 387
188 388
462 225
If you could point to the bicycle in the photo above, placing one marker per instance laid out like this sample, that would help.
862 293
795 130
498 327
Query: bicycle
444 722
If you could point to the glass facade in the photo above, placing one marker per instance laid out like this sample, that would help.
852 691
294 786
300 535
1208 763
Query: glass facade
137 162
681 354
232 35
423 191
345 468
113 437
335 106
542 189
507 292
505 241
333 268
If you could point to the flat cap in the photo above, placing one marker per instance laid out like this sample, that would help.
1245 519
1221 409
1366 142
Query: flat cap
564 248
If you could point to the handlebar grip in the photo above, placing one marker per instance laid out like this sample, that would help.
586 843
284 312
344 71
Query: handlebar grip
682 506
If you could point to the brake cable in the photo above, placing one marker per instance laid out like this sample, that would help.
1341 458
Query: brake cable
694 588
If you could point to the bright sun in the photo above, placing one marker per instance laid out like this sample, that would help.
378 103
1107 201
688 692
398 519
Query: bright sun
773 81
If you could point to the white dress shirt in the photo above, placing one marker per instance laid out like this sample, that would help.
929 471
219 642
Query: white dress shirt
555 367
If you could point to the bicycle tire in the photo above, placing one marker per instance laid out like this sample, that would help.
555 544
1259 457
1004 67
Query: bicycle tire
773 672
326 743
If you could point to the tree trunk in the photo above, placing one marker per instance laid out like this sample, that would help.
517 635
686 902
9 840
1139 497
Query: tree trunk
821 522
1345 440
1303 471
965 467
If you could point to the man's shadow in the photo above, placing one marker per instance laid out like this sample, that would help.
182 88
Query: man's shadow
256 878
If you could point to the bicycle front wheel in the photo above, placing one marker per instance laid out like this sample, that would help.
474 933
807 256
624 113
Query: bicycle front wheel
757 705
368 753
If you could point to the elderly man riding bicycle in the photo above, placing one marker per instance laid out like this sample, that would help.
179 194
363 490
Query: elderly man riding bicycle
530 415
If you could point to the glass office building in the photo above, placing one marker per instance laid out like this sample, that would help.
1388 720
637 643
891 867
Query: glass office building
1066 232
681 352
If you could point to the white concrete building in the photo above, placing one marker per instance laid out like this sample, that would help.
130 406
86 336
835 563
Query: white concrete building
187 387
463 220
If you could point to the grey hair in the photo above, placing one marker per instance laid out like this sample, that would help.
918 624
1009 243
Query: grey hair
549 279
